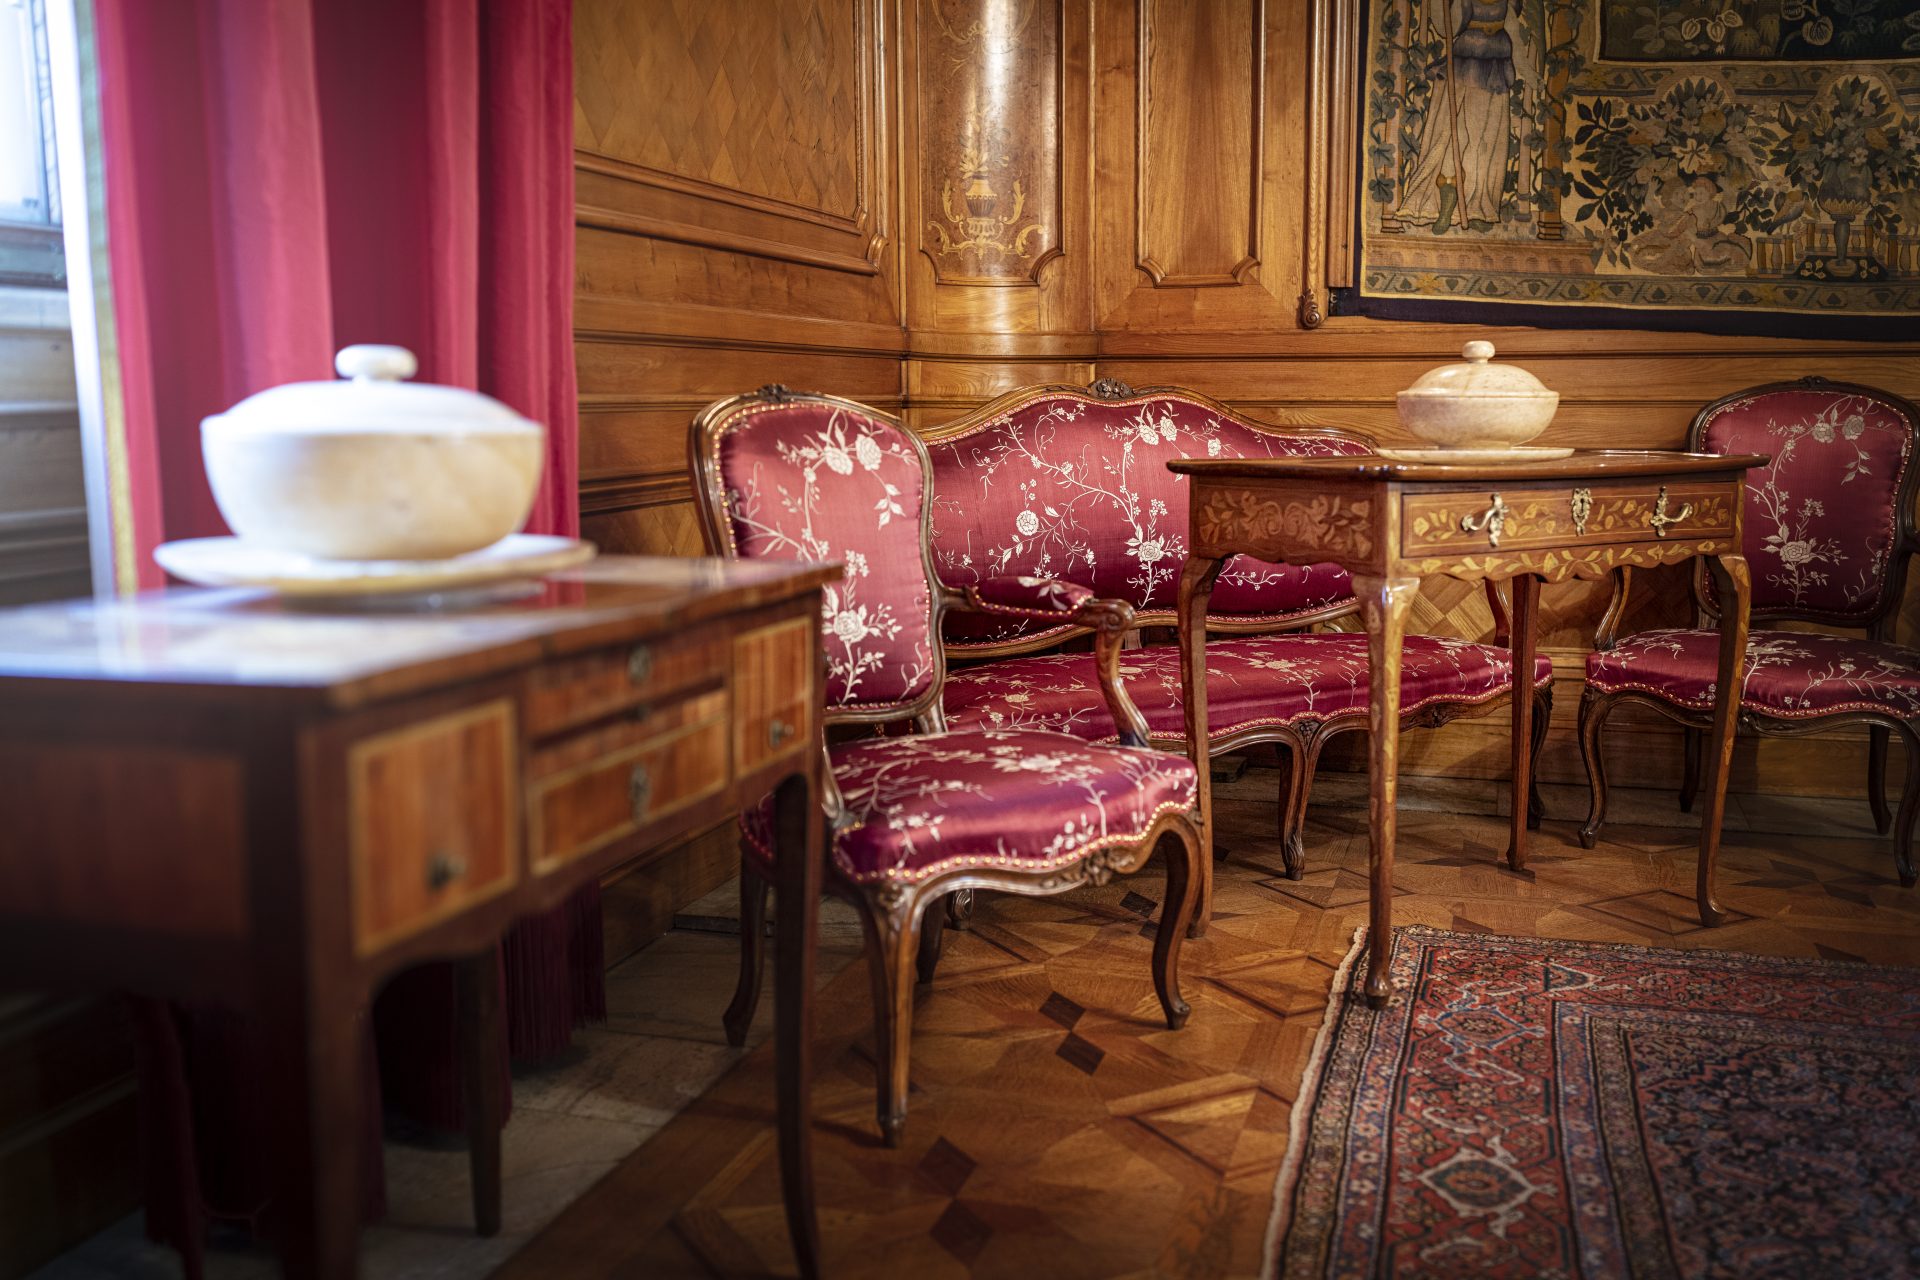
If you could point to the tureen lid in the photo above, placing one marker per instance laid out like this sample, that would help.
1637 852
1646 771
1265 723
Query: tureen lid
1477 376
373 397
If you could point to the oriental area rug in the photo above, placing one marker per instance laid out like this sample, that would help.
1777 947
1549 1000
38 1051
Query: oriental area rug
1526 1107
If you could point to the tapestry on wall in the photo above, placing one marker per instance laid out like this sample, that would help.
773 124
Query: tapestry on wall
1733 164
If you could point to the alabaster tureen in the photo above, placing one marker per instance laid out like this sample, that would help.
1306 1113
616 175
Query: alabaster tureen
1477 404
373 467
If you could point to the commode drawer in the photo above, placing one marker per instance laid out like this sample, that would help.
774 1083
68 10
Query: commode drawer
605 783
578 690
773 692
431 811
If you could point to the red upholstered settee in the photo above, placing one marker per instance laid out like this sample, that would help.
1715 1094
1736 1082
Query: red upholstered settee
1053 494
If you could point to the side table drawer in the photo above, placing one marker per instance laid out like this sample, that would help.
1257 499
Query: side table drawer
773 698
1524 517
607 784
577 690
431 810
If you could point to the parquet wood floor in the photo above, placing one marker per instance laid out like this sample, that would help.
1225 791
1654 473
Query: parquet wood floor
1057 1129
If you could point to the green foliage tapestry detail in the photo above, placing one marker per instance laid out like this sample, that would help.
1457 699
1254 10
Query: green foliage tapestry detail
1699 156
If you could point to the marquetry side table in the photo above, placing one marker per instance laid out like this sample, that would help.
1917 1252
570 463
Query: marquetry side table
1391 523
209 796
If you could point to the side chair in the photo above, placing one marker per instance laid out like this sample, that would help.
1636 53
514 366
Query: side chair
916 817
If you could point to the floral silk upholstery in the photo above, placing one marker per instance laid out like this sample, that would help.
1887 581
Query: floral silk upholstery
1251 681
1790 675
935 803
817 482
1820 519
1032 595
1070 487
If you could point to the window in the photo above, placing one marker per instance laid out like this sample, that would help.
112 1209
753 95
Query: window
29 186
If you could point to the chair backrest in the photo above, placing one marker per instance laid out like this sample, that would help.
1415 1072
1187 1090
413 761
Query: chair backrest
788 475
1828 524
1072 482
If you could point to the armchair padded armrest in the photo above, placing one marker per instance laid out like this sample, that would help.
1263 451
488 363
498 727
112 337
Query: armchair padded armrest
1048 597
1054 601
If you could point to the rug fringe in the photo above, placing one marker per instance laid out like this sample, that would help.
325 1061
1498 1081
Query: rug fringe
1283 1187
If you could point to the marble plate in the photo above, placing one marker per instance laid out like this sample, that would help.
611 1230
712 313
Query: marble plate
230 562
1506 453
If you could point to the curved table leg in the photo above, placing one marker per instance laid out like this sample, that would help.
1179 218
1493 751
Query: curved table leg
1384 605
1196 589
1521 644
1735 589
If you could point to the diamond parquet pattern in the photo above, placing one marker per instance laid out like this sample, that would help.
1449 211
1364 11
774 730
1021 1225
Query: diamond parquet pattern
1058 1129
759 96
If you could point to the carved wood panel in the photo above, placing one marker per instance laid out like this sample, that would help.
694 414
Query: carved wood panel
1201 110
990 139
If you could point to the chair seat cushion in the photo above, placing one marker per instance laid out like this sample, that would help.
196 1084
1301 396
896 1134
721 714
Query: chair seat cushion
1252 681
924 805
1790 674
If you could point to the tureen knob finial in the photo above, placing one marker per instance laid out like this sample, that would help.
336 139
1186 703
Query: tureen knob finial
1479 351
373 362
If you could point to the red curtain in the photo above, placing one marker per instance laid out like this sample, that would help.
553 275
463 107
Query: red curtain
283 178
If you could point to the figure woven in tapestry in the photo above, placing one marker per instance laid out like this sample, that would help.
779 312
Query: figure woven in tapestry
1716 156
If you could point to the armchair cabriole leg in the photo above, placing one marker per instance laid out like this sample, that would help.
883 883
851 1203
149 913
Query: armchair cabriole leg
1180 848
753 948
1692 741
1877 778
893 946
1296 784
1593 718
960 909
1909 806
933 933
1542 713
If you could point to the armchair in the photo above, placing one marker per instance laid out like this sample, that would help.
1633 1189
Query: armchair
914 819
1827 528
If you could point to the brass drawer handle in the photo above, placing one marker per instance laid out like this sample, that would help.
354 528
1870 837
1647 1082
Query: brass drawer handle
1660 521
639 791
444 868
1493 520
639 663
778 732
1582 504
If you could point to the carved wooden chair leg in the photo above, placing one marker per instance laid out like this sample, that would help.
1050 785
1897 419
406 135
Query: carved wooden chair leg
960 909
1593 717
1692 744
1909 806
1184 857
933 933
1296 784
892 953
753 949
1877 778
1542 713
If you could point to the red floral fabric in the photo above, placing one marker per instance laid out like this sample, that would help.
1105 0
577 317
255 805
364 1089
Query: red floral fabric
1789 674
1821 519
816 482
1032 595
1071 487
1251 681
934 803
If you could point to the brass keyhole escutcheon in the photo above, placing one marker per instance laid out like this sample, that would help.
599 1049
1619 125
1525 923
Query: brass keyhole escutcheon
1493 520
1582 504
444 868
1660 521
778 732
639 663
639 791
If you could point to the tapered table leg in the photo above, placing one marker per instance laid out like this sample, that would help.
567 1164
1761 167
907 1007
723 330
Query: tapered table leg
1734 587
1522 642
1196 590
799 855
314 1081
483 1080
1384 605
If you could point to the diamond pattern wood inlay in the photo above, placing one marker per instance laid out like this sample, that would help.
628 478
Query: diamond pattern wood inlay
757 96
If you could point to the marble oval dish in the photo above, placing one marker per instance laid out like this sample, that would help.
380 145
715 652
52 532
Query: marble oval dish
1477 407
373 468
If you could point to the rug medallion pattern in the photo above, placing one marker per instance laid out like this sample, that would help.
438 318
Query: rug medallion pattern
1538 1108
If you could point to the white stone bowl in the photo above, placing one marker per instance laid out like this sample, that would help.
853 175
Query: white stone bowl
373 469
1476 404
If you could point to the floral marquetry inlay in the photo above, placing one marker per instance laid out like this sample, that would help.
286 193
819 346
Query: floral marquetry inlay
1557 564
1278 528
1459 520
